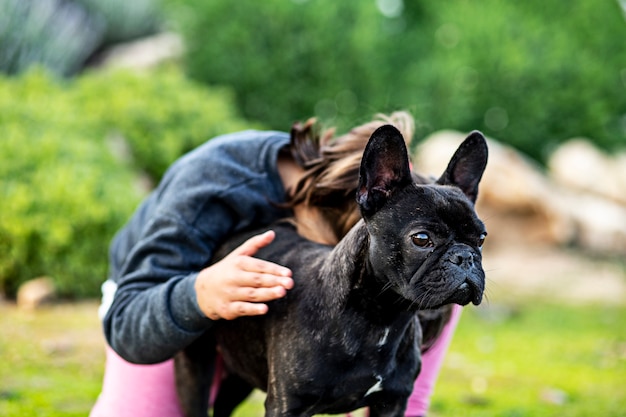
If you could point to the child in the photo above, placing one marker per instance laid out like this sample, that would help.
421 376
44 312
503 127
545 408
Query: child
162 293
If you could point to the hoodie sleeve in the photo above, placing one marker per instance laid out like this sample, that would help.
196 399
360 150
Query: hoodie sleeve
224 186
154 313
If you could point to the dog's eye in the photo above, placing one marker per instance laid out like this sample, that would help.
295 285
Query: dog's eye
481 239
422 240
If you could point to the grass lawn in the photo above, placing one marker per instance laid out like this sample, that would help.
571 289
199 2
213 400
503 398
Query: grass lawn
534 360
52 360
537 360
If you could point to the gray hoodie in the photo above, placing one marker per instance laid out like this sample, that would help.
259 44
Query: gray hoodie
224 186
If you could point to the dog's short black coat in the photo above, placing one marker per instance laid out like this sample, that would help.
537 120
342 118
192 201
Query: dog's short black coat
348 334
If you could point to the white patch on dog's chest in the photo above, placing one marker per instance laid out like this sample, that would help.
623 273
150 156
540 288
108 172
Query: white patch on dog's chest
383 339
378 386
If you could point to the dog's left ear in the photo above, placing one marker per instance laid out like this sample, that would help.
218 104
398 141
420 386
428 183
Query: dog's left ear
384 168
467 165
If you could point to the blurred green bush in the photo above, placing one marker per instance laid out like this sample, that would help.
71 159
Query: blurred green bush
72 153
529 73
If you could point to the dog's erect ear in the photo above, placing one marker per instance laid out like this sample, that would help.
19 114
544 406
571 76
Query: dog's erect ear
467 165
384 168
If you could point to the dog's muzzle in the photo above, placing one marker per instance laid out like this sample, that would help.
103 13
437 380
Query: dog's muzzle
471 289
468 292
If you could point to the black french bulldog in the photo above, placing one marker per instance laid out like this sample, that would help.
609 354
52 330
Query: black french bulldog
348 335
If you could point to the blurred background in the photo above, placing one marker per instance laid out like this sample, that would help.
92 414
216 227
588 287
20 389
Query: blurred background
98 97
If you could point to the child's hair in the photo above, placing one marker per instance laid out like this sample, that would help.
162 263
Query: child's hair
331 166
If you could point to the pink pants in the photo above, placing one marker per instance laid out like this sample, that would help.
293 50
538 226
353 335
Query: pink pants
149 390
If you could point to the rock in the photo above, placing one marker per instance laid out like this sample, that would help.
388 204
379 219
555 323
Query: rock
599 224
553 396
58 347
35 293
144 53
580 166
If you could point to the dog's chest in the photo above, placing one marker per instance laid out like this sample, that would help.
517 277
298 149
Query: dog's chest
352 368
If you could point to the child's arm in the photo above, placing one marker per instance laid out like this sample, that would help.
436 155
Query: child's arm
239 285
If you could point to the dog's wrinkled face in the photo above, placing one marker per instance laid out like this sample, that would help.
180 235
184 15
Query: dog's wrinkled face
429 246
424 239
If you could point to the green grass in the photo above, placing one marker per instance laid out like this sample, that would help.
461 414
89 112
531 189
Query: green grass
535 360
52 360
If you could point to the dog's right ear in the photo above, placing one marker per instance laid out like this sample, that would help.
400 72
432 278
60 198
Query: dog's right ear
467 165
384 168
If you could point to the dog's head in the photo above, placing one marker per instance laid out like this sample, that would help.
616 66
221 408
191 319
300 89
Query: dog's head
425 239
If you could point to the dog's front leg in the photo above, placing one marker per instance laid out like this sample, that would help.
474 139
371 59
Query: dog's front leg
194 368
232 391
279 404
281 400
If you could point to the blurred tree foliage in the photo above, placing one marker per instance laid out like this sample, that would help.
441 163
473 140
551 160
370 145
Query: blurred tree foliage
71 155
63 34
529 73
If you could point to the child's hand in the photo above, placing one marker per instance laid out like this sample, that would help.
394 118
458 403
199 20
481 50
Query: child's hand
239 284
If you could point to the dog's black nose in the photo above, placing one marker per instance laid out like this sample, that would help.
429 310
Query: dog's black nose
463 258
